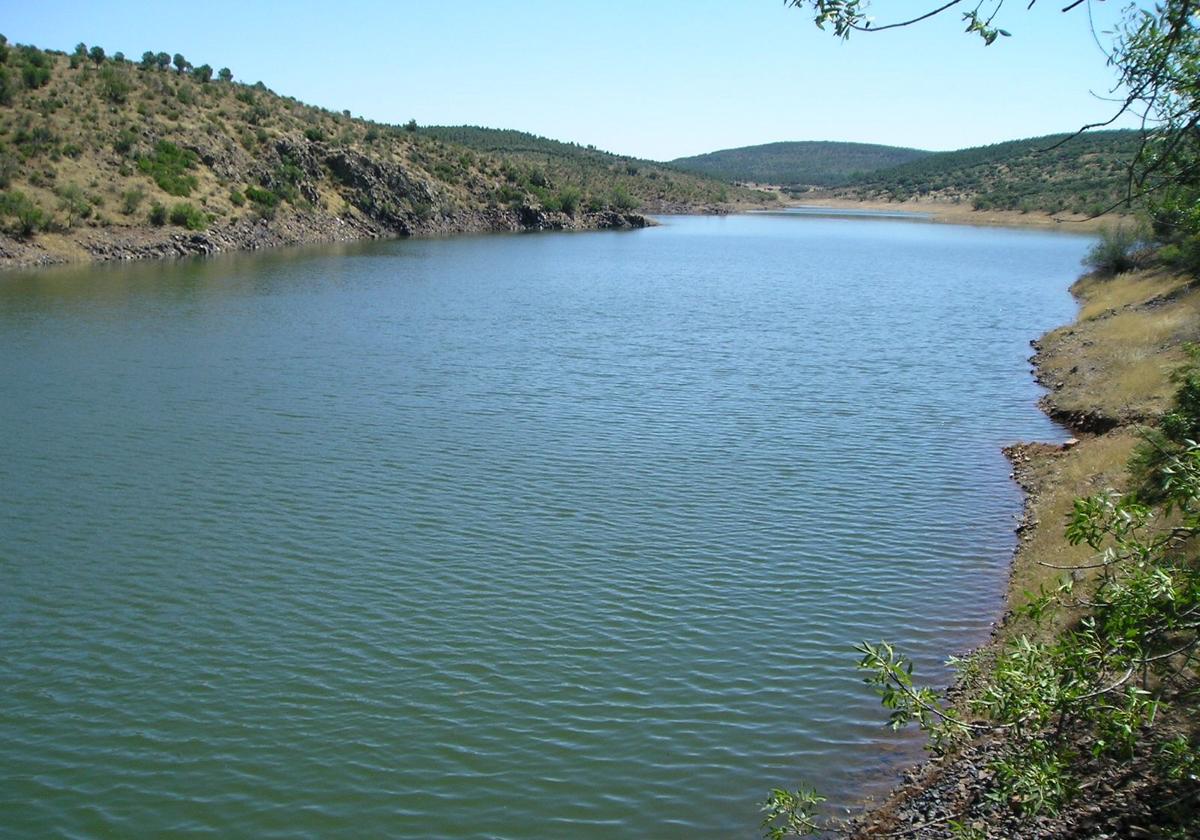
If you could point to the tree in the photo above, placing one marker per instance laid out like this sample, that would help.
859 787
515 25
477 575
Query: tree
148 59
204 73
96 54
225 74
180 62
164 60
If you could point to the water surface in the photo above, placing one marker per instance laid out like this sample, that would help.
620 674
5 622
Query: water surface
505 536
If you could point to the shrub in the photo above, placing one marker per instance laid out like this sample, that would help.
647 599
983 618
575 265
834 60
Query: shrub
262 196
114 85
158 215
27 218
236 198
131 199
569 199
188 216
73 202
622 200
125 140
168 166
1114 252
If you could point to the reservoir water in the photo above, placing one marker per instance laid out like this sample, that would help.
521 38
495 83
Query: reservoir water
554 535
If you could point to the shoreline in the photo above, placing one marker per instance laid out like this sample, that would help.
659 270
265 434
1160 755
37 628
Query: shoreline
288 229
309 227
1106 374
948 212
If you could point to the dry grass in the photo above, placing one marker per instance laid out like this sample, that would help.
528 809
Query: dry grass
1116 360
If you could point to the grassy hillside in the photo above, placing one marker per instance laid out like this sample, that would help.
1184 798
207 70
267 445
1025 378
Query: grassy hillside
652 185
810 163
93 143
1085 175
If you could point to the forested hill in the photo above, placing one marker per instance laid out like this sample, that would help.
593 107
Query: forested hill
1085 174
103 157
811 163
656 185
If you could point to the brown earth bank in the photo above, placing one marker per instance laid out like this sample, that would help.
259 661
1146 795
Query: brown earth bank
1107 373
949 211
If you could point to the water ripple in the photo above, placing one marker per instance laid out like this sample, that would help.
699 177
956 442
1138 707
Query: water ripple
499 537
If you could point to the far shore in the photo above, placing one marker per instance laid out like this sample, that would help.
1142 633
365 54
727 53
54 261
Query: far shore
949 212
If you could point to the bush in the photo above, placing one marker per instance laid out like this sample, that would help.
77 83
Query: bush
622 200
27 218
114 85
158 215
168 167
1114 252
262 197
236 198
131 199
569 199
124 142
188 216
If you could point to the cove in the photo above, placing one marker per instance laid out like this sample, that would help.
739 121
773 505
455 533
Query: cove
505 536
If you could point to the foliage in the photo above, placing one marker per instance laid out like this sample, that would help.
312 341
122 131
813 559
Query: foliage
168 165
158 214
181 63
96 54
811 163
204 73
225 74
1055 173
188 216
25 217
791 814
131 199
1178 429
74 203
114 84
1114 251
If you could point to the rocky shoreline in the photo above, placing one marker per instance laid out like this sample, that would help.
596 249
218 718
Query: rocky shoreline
288 228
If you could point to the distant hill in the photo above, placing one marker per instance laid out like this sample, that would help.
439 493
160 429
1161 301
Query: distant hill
807 162
1085 174
654 186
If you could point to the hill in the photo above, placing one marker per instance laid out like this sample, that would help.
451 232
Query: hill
1084 174
654 185
810 163
106 158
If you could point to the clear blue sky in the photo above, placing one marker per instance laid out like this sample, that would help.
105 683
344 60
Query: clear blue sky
652 78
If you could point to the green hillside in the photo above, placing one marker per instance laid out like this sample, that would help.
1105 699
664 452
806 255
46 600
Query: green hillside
105 157
654 185
812 163
1085 174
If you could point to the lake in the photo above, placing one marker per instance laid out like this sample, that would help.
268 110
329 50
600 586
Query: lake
553 535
